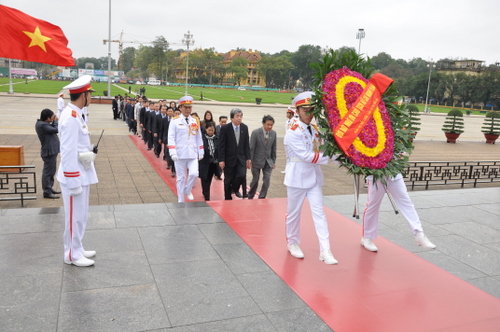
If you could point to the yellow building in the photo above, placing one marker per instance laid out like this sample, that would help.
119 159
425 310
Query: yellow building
469 67
252 57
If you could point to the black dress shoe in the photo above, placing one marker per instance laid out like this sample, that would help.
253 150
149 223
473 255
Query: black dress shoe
55 192
169 167
173 174
52 196
149 149
237 194
245 196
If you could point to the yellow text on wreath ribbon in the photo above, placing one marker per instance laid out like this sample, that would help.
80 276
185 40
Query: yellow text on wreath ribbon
377 117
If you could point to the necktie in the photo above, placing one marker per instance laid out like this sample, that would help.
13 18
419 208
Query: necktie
187 121
237 134
310 131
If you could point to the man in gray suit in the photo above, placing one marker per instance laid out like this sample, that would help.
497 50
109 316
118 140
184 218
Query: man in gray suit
46 129
263 154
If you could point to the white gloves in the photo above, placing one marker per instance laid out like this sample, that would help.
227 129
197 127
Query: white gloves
73 192
334 160
200 157
174 157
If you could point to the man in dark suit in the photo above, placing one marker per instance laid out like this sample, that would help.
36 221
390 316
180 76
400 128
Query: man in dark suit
148 124
263 152
142 119
234 153
156 129
164 137
222 121
114 107
46 129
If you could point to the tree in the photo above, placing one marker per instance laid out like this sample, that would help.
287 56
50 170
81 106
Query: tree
466 87
381 60
418 66
127 59
101 63
395 71
275 70
488 87
302 60
239 69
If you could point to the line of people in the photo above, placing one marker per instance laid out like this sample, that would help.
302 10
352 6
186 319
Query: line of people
202 149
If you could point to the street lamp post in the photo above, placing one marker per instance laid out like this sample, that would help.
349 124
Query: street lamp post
360 35
109 52
426 110
188 40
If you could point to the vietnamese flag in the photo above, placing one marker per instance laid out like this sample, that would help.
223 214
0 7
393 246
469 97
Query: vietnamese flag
24 37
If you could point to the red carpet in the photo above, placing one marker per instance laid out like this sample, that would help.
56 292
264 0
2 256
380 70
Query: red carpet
392 290
217 188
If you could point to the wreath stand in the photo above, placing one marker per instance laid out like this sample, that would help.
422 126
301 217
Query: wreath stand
357 184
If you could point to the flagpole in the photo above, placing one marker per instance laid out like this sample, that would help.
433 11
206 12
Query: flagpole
109 52
11 89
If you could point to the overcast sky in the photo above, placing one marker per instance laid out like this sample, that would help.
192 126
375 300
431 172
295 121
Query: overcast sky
430 29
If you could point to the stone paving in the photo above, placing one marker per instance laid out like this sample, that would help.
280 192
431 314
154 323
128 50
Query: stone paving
164 266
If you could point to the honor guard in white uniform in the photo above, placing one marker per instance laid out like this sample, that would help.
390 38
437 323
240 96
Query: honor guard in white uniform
76 171
397 188
290 117
60 105
185 145
304 179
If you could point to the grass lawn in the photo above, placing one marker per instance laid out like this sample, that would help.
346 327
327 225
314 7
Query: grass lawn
175 92
230 95
153 92
446 109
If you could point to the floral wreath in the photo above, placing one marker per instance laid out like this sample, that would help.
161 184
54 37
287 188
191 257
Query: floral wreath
382 146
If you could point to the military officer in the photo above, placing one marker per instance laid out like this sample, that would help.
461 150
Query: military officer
397 188
185 145
76 171
304 179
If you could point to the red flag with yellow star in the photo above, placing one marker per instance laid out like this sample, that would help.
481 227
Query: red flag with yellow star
24 37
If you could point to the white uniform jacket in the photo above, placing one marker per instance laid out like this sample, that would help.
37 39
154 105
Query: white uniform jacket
184 140
75 138
302 148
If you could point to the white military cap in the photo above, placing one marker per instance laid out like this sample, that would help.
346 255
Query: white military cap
290 110
303 99
186 100
81 84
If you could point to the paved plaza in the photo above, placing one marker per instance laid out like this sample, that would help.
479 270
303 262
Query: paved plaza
166 266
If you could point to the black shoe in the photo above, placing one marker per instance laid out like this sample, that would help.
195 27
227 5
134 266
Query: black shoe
173 174
52 196
55 192
245 196
169 167
237 194
149 149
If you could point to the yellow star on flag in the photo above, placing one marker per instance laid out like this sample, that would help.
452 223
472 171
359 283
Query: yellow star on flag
37 39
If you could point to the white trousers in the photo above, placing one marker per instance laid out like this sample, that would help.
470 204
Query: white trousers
296 197
76 214
376 192
185 168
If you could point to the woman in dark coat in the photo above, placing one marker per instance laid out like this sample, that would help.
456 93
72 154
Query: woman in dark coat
208 165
